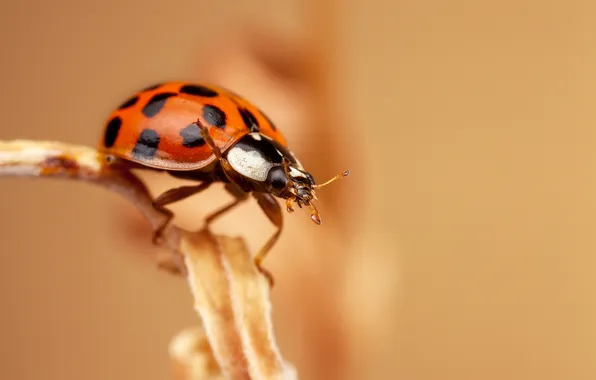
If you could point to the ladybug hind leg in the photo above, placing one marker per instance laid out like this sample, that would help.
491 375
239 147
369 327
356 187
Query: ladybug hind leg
171 196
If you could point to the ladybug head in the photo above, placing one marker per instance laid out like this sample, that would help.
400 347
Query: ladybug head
296 185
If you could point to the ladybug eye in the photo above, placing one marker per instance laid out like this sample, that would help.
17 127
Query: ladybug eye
277 178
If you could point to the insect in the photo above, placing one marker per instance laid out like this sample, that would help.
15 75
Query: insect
209 134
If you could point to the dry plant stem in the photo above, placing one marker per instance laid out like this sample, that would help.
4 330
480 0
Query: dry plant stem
53 159
238 301
192 357
231 297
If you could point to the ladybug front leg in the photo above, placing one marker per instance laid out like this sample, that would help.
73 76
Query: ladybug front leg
207 137
216 151
171 196
271 208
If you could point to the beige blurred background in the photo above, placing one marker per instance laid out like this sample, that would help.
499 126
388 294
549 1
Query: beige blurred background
462 246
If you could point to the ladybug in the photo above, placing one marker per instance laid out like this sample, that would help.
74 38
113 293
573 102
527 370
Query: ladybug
209 134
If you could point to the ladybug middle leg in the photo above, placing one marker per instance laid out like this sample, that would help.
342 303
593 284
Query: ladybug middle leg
180 193
239 195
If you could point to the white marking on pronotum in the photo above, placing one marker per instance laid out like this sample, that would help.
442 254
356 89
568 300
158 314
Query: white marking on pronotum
251 163
295 173
256 136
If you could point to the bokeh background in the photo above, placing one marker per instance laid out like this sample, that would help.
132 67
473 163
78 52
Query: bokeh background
461 247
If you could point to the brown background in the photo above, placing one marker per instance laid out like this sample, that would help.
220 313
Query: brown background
462 246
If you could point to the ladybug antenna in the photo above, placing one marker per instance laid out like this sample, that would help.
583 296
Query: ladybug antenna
339 176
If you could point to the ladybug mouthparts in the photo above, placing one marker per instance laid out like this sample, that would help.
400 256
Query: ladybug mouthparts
304 195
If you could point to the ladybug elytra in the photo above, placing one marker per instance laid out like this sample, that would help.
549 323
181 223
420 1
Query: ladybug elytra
209 134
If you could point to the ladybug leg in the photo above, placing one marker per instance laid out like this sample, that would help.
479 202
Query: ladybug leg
171 196
158 232
224 163
239 195
209 140
271 208
179 193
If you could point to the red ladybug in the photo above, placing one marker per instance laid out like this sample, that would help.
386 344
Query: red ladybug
209 134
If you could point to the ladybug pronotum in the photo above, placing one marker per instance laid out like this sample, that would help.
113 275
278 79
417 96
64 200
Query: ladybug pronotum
209 134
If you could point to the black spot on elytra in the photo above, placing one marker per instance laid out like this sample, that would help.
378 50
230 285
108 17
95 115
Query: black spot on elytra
191 136
193 89
146 145
154 87
249 119
214 116
156 103
112 130
129 103
269 121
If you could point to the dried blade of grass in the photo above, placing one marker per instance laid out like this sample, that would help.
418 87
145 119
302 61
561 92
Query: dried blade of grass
231 297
